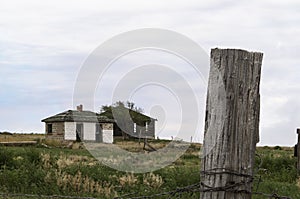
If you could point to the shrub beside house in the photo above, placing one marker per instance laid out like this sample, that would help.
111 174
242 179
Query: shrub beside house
129 121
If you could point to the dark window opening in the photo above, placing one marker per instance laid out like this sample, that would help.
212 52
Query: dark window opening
49 127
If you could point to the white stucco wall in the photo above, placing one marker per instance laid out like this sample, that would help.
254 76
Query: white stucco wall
89 131
108 136
70 131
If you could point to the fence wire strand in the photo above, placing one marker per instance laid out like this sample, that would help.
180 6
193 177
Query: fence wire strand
195 188
198 187
179 191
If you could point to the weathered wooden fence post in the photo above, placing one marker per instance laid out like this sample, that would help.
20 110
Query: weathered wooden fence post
298 150
231 124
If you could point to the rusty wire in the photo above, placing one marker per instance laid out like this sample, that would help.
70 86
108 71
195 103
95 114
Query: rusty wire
179 191
201 187
195 188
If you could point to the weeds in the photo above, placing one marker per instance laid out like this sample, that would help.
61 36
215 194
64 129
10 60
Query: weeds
74 172
128 179
152 180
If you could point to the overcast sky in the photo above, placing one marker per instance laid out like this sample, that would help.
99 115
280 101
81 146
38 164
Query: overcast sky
44 44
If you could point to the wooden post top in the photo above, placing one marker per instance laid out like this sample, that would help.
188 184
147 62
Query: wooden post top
298 131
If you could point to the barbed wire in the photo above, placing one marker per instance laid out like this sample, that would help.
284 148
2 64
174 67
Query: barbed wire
274 195
233 187
195 188
191 189
201 187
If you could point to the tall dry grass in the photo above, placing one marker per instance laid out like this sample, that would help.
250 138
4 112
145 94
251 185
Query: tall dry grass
76 183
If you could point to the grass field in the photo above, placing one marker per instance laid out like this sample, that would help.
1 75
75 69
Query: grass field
20 137
74 172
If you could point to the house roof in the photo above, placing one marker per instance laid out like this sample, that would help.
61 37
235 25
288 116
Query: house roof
121 112
78 116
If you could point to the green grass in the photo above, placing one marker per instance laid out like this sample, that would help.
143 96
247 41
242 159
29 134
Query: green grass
62 171
278 172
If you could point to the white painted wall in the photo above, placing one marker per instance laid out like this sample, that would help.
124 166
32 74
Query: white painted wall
89 131
70 131
108 136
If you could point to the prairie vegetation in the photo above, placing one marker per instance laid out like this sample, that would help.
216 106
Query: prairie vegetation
74 172
13 137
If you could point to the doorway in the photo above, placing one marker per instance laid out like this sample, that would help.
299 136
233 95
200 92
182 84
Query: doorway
99 133
79 132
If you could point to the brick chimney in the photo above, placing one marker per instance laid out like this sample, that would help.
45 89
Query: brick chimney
80 108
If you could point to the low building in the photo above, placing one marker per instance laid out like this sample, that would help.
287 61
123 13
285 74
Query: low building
130 123
79 125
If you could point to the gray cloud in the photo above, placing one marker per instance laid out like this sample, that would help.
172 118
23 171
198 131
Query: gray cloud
42 46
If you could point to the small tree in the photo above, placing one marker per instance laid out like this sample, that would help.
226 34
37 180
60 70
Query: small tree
125 116
129 105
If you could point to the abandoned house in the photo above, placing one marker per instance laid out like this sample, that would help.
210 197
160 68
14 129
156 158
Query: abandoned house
130 123
79 125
